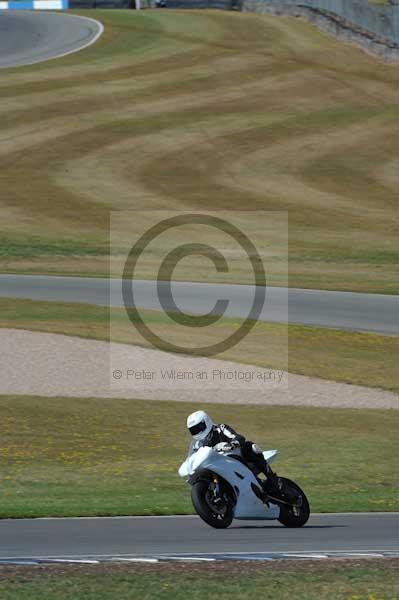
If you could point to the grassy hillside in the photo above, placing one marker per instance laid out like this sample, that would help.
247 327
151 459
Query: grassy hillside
204 110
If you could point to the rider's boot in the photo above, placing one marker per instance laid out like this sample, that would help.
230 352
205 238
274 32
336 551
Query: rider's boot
272 485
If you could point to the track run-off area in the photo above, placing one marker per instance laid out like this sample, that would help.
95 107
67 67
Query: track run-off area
29 37
185 537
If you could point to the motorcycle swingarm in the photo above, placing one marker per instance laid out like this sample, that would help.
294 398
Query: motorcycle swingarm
278 501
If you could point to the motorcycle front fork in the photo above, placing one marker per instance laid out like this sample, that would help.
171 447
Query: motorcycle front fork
216 489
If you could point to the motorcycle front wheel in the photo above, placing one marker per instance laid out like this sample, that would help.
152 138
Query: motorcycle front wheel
294 515
219 517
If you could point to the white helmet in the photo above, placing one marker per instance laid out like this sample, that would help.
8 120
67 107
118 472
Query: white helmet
199 424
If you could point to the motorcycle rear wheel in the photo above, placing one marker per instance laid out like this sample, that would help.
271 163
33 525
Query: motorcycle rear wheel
287 517
204 510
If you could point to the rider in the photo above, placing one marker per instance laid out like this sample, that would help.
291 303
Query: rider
207 433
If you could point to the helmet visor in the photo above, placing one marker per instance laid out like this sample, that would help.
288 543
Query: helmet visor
196 429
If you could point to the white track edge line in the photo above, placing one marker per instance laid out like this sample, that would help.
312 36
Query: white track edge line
94 557
141 560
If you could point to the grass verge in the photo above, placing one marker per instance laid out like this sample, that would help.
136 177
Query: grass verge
357 358
65 457
310 580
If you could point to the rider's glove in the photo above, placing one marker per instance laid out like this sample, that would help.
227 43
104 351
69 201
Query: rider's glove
222 447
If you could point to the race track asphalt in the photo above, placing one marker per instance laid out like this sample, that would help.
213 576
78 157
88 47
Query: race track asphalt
342 310
367 532
28 37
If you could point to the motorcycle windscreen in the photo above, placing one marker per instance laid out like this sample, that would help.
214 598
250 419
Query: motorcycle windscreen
193 446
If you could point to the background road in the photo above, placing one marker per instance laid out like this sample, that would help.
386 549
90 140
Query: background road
161 535
342 310
28 37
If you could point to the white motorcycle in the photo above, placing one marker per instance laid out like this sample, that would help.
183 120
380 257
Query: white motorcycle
224 488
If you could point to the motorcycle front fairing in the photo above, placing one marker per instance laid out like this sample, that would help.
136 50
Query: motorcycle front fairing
238 475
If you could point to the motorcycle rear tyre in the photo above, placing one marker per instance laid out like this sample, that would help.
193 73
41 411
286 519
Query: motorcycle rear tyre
287 516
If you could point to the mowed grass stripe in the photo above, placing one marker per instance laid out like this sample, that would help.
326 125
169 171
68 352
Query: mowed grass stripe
205 110
243 69
247 79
